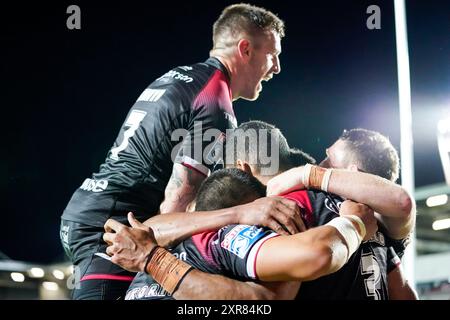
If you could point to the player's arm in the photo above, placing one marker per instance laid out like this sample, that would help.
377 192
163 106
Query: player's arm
130 248
198 285
181 188
272 212
393 203
318 251
399 287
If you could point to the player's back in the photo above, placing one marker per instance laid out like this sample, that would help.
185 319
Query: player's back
138 166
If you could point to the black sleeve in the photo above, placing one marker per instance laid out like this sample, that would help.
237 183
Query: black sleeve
237 249
399 246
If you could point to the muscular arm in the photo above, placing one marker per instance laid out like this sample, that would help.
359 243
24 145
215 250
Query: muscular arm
272 212
399 288
198 285
306 256
172 228
181 188
394 207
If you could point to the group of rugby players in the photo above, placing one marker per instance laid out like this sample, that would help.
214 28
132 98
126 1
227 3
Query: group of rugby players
255 229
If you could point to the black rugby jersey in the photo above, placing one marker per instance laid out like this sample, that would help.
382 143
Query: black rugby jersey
364 276
181 117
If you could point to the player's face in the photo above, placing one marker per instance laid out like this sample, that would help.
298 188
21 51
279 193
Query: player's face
336 156
263 64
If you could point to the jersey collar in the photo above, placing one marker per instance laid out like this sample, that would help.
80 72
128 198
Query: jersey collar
213 61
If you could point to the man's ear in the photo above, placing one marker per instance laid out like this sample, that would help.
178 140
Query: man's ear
244 49
244 166
191 206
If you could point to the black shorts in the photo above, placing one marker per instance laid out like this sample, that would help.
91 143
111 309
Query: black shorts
95 278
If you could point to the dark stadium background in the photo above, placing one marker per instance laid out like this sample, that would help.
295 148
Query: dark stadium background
65 93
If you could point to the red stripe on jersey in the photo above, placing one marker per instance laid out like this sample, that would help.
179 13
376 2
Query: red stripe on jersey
202 242
216 92
101 276
302 199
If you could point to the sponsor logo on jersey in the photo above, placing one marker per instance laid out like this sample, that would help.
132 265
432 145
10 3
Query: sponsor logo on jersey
175 75
332 205
151 95
153 290
94 185
182 255
186 68
241 238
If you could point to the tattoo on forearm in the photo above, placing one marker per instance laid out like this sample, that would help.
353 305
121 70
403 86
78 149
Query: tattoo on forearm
175 199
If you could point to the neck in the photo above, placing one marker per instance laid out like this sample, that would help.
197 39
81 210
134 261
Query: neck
230 65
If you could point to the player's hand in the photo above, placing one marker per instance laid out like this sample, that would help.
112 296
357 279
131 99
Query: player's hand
288 181
129 247
276 213
366 214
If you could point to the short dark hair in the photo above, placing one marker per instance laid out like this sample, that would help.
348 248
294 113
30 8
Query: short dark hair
228 188
373 152
299 158
242 17
241 146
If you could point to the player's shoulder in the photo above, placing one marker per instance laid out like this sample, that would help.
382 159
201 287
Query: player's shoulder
187 75
182 83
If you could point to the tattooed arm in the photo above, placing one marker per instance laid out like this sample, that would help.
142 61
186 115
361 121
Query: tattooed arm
181 189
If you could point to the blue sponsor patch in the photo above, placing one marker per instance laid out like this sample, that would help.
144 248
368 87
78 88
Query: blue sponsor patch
241 238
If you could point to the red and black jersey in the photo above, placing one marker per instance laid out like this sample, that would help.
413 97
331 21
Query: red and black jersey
181 117
231 251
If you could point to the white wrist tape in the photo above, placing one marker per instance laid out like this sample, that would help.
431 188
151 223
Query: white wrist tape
360 223
306 173
326 180
348 232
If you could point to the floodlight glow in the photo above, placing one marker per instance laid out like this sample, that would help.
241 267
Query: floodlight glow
50 286
37 273
435 201
58 274
17 277
441 224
